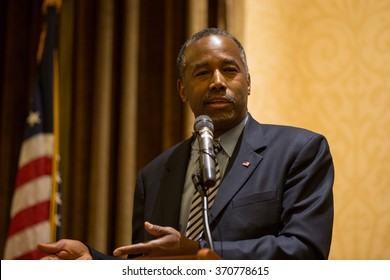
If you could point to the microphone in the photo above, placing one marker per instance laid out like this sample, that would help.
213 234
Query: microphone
204 129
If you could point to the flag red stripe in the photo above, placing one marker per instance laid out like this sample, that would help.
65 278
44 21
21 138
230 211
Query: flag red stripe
30 216
36 168
32 255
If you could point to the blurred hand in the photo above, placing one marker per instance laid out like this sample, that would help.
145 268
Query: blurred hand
169 242
65 249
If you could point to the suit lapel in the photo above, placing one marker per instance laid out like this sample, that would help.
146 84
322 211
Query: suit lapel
168 202
244 164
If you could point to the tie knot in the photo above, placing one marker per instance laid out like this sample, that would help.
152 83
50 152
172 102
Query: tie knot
217 146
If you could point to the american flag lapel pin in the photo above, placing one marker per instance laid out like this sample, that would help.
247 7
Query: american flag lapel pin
246 163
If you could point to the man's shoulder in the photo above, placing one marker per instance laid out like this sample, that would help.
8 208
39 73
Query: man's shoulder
285 137
288 130
270 128
165 155
279 134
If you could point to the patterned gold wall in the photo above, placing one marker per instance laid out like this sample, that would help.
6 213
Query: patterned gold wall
325 65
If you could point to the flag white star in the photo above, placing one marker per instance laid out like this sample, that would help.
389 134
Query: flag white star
58 198
33 118
58 220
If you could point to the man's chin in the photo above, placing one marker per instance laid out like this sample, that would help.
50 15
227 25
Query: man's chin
223 123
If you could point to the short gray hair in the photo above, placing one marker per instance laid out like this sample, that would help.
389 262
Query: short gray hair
180 62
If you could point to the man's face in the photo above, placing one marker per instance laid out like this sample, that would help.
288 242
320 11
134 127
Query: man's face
215 82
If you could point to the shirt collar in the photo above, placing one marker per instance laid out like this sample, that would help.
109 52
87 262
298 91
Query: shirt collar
228 140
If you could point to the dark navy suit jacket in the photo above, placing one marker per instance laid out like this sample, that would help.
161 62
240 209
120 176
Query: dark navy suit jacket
280 206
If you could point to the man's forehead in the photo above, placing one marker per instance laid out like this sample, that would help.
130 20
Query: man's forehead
216 41
213 40
212 43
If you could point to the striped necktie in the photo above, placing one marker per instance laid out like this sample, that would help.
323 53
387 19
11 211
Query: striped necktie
195 219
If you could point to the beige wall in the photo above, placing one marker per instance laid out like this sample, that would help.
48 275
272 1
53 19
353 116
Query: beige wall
325 65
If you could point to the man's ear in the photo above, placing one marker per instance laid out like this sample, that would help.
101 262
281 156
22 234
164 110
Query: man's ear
180 89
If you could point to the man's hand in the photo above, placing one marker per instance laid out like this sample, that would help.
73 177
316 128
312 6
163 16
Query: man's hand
65 249
169 242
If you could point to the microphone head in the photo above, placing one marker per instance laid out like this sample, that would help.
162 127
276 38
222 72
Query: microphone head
203 121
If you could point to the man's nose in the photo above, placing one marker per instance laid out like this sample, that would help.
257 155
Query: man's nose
218 81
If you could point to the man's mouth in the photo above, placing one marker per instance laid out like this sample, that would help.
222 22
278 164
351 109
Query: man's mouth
215 101
218 103
218 100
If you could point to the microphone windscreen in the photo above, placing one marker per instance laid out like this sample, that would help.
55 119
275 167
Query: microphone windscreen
203 121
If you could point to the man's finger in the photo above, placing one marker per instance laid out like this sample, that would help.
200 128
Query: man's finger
49 248
140 248
156 230
50 257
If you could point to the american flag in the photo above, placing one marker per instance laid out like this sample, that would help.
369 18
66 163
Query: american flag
34 215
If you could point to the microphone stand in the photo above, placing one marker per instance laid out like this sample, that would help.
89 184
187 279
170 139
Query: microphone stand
199 186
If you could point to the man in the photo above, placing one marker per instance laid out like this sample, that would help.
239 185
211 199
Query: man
275 199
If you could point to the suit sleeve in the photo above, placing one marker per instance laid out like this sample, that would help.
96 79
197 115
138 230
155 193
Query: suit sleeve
307 212
96 255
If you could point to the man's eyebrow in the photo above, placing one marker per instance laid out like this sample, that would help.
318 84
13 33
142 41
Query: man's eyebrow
225 62
231 61
199 65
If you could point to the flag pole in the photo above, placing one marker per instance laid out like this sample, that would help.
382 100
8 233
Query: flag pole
55 199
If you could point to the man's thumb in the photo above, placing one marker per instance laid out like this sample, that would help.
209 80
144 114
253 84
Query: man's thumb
155 230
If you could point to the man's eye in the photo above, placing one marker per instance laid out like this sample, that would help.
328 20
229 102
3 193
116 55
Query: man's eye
201 73
231 70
